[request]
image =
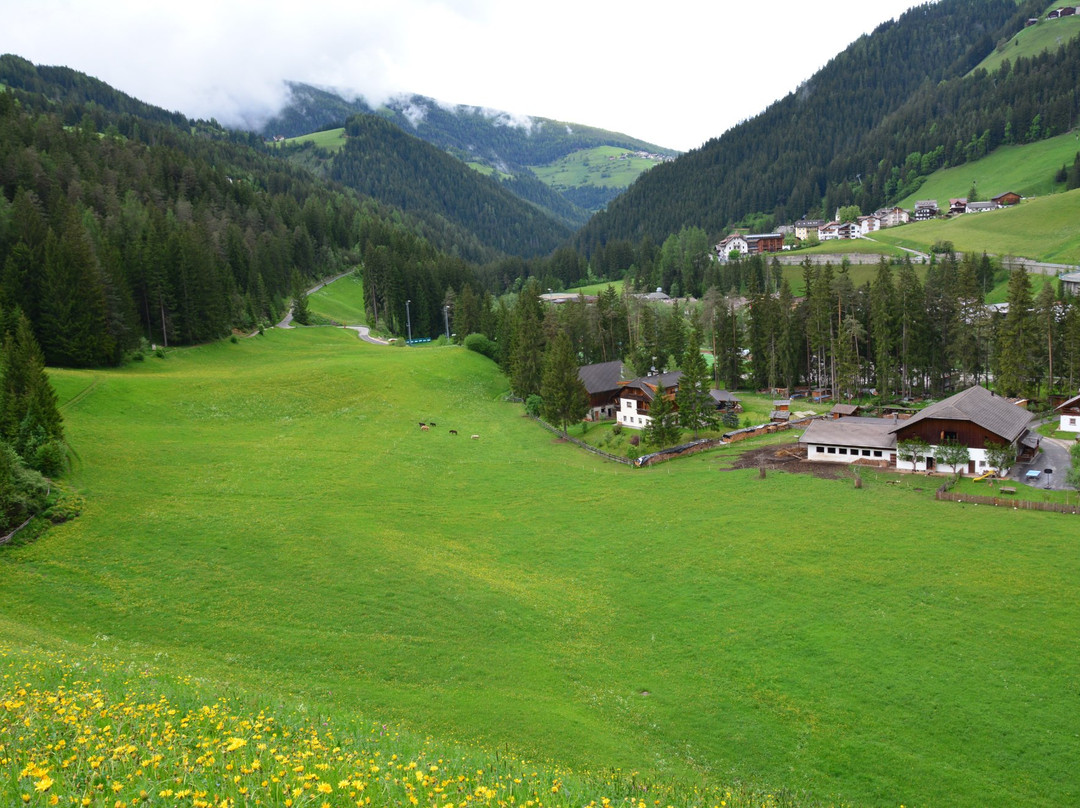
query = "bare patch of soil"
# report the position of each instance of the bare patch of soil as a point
(790, 458)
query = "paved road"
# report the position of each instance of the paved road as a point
(287, 322)
(1054, 455)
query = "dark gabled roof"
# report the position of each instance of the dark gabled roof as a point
(723, 395)
(845, 409)
(871, 433)
(1069, 403)
(979, 406)
(601, 377)
(649, 384)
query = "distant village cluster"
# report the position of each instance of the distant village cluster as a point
(644, 155)
(815, 230)
(1055, 14)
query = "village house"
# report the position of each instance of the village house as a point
(758, 243)
(869, 224)
(958, 206)
(602, 384)
(636, 397)
(1069, 411)
(973, 418)
(805, 228)
(1007, 198)
(981, 207)
(839, 230)
(891, 217)
(736, 242)
(925, 209)
(725, 401)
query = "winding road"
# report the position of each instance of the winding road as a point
(362, 331)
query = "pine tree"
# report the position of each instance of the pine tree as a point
(565, 398)
(696, 407)
(526, 363)
(1016, 356)
(663, 427)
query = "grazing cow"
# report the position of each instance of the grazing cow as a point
(422, 424)
(475, 437)
(432, 423)
(453, 431)
(424, 428)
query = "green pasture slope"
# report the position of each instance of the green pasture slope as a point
(267, 516)
(341, 301)
(331, 139)
(1047, 35)
(598, 166)
(1028, 170)
(1043, 229)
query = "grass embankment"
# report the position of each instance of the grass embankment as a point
(1047, 35)
(858, 246)
(602, 166)
(1028, 170)
(1042, 229)
(268, 516)
(341, 301)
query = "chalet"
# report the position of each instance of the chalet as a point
(636, 397)
(805, 228)
(659, 296)
(725, 401)
(891, 217)
(736, 242)
(758, 243)
(1031, 21)
(958, 206)
(925, 209)
(973, 418)
(1007, 198)
(981, 207)
(839, 230)
(1067, 11)
(1053, 15)
(1070, 283)
(869, 224)
(850, 440)
(602, 384)
(1070, 414)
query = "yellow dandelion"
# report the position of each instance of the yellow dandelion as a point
(44, 784)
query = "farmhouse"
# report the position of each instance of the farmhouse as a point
(958, 206)
(891, 217)
(636, 397)
(973, 418)
(736, 242)
(926, 209)
(1070, 414)
(602, 384)
(981, 207)
(1007, 198)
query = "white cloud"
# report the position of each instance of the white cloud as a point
(660, 73)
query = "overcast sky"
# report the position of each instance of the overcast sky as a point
(673, 73)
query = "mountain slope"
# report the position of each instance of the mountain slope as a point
(509, 144)
(782, 161)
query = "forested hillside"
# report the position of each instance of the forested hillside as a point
(117, 228)
(823, 145)
(509, 144)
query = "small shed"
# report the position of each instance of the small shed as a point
(845, 411)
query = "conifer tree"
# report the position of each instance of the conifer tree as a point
(526, 362)
(1016, 344)
(565, 398)
(696, 408)
(663, 427)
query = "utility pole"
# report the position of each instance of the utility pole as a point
(408, 319)
(446, 319)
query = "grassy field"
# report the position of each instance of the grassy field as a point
(597, 288)
(599, 166)
(1042, 229)
(862, 246)
(1048, 35)
(342, 301)
(331, 139)
(1029, 170)
(266, 516)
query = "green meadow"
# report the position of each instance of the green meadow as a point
(1047, 35)
(342, 301)
(598, 166)
(267, 517)
(1028, 170)
(331, 139)
(1042, 229)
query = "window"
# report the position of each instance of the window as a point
(877, 452)
(843, 450)
(950, 436)
(1072, 422)
(832, 450)
(819, 449)
(865, 452)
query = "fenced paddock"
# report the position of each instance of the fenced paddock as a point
(945, 495)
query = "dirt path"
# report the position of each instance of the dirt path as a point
(790, 458)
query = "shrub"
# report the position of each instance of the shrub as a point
(533, 405)
(49, 458)
(635, 440)
(234, 340)
(617, 429)
(482, 345)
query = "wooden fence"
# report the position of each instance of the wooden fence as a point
(1006, 502)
